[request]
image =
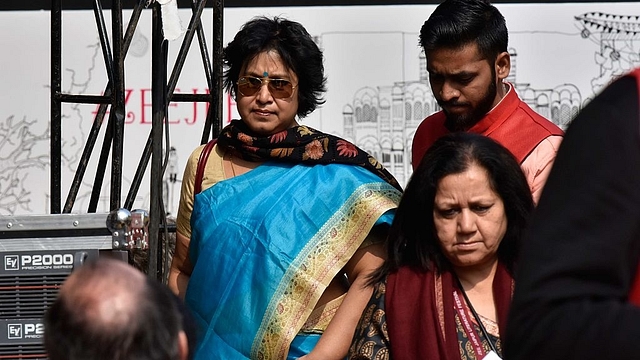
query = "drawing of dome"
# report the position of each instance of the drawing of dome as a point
(397, 91)
(566, 102)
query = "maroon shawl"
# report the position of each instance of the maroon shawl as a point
(420, 312)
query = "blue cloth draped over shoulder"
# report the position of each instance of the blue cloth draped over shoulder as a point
(267, 243)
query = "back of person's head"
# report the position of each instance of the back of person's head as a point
(412, 238)
(456, 23)
(296, 48)
(108, 310)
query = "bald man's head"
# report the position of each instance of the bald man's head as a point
(104, 293)
(106, 309)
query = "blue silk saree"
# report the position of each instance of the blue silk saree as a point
(266, 244)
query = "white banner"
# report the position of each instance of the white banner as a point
(562, 55)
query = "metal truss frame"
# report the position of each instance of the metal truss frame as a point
(114, 50)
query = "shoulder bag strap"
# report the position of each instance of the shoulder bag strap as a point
(202, 163)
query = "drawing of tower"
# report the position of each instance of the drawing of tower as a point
(618, 37)
(382, 121)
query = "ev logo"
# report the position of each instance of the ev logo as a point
(11, 262)
(14, 331)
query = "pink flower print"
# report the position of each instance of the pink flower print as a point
(244, 138)
(313, 150)
(347, 149)
(276, 138)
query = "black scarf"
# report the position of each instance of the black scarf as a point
(300, 144)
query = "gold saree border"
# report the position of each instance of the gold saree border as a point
(320, 317)
(440, 304)
(316, 265)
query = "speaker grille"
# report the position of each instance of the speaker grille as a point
(25, 297)
(28, 296)
(22, 352)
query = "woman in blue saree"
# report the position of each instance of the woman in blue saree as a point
(279, 224)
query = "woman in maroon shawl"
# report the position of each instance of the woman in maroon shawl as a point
(445, 290)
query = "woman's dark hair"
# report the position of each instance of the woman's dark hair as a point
(412, 238)
(456, 23)
(296, 48)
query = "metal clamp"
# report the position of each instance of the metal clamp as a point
(129, 229)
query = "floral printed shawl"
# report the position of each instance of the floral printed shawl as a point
(300, 144)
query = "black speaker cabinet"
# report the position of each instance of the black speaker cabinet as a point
(37, 253)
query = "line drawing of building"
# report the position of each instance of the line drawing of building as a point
(617, 37)
(383, 120)
(379, 119)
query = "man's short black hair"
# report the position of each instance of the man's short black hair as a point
(456, 23)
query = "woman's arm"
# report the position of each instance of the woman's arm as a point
(334, 342)
(181, 267)
(371, 340)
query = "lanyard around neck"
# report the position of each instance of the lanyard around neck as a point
(465, 322)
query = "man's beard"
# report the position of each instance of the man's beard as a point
(462, 122)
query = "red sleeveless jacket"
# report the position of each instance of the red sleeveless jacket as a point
(512, 123)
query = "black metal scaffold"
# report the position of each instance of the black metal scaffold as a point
(114, 50)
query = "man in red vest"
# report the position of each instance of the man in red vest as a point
(465, 44)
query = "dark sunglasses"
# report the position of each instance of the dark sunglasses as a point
(279, 88)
